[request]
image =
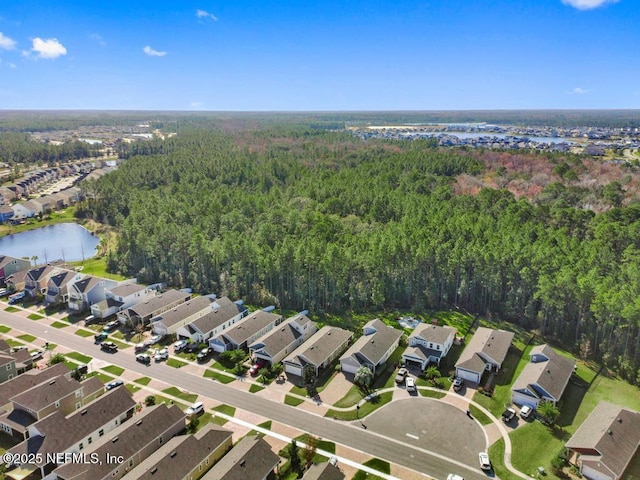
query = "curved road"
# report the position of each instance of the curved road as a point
(352, 436)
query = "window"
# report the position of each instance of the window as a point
(78, 393)
(160, 440)
(200, 467)
(6, 428)
(130, 462)
(9, 368)
(78, 406)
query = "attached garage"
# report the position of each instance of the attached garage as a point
(468, 375)
(293, 369)
(349, 365)
(521, 399)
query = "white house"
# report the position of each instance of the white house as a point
(219, 316)
(120, 297)
(245, 332)
(87, 291)
(428, 343)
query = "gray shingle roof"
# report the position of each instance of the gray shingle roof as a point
(181, 454)
(152, 305)
(374, 346)
(323, 471)
(125, 440)
(182, 311)
(283, 335)
(611, 430)
(62, 278)
(221, 311)
(320, 347)
(250, 459)
(485, 342)
(434, 333)
(127, 289)
(47, 393)
(250, 326)
(29, 379)
(552, 375)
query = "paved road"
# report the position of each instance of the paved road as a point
(350, 435)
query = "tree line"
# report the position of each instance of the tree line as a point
(325, 222)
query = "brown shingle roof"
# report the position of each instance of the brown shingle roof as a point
(320, 347)
(46, 393)
(152, 305)
(551, 375)
(222, 310)
(250, 459)
(611, 430)
(250, 326)
(323, 471)
(29, 379)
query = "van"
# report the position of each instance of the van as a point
(16, 297)
(195, 409)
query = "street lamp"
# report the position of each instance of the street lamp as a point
(358, 416)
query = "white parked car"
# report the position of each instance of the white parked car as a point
(453, 476)
(155, 339)
(195, 409)
(485, 464)
(179, 345)
(525, 412)
(161, 354)
(411, 384)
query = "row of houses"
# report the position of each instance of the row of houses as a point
(69, 429)
(40, 205)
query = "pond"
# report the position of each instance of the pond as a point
(65, 241)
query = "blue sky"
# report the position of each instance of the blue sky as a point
(319, 55)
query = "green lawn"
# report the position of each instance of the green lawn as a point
(220, 377)
(479, 415)
(132, 388)
(113, 370)
(79, 357)
(143, 381)
(172, 362)
(226, 409)
(62, 216)
(379, 465)
(535, 445)
(13, 343)
(27, 338)
(496, 455)
(11, 309)
(320, 444)
(58, 324)
(255, 388)
(103, 378)
(97, 266)
(365, 408)
(292, 401)
(4, 329)
(432, 393)
(353, 396)
(176, 392)
(34, 316)
(84, 333)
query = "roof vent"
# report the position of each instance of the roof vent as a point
(139, 422)
(114, 440)
(619, 419)
(243, 463)
(173, 454)
(610, 432)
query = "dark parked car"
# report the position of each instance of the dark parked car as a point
(204, 354)
(109, 347)
(458, 383)
(253, 371)
(191, 347)
(100, 337)
(508, 415)
(143, 358)
(114, 384)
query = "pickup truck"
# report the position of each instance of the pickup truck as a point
(508, 415)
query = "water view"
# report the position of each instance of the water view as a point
(65, 241)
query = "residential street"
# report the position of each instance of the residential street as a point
(367, 441)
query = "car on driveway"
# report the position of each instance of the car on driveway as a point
(508, 415)
(255, 368)
(195, 409)
(458, 383)
(485, 464)
(401, 375)
(204, 354)
(143, 358)
(155, 339)
(525, 412)
(141, 347)
(114, 384)
(109, 347)
(179, 345)
(191, 347)
(111, 326)
(162, 354)
(36, 355)
(411, 384)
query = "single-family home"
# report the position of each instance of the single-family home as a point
(133, 441)
(8, 368)
(428, 344)
(545, 377)
(70, 195)
(250, 459)
(87, 291)
(144, 311)
(44, 204)
(22, 210)
(13, 363)
(17, 280)
(121, 297)
(319, 352)
(185, 457)
(168, 322)
(606, 442)
(323, 471)
(221, 315)
(9, 265)
(57, 434)
(6, 213)
(58, 286)
(58, 201)
(245, 332)
(486, 351)
(372, 349)
(9, 193)
(37, 279)
(281, 341)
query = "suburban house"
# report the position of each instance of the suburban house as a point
(281, 341)
(606, 442)
(13, 363)
(22, 210)
(222, 314)
(87, 291)
(57, 286)
(323, 471)
(43, 204)
(24, 382)
(9, 265)
(144, 311)
(134, 441)
(8, 368)
(185, 457)
(6, 213)
(59, 434)
(372, 349)
(169, 322)
(250, 459)
(245, 332)
(17, 280)
(545, 377)
(318, 353)
(486, 350)
(123, 296)
(428, 344)
(62, 394)
(37, 279)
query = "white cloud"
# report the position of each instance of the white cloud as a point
(6, 43)
(588, 4)
(205, 14)
(153, 53)
(50, 48)
(578, 91)
(98, 38)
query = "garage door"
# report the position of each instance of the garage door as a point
(520, 399)
(348, 367)
(473, 377)
(293, 369)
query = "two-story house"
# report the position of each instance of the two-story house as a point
(144, 311)
(221, 315)
(428, 343)
(486, 351)
(57, 291)
(281, 341)
(37, 279)
(9, 265)
(251, 458)
(88, 291)
(121, 297)
(169, 322)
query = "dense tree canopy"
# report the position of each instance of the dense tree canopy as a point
(321, 221)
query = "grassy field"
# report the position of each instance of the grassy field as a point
(113, 370)
(176, 392)
(4, 329)
(79, 357)
(57, 324)
(27, 338)
(97, 266)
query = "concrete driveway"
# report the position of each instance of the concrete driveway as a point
(431, 425)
